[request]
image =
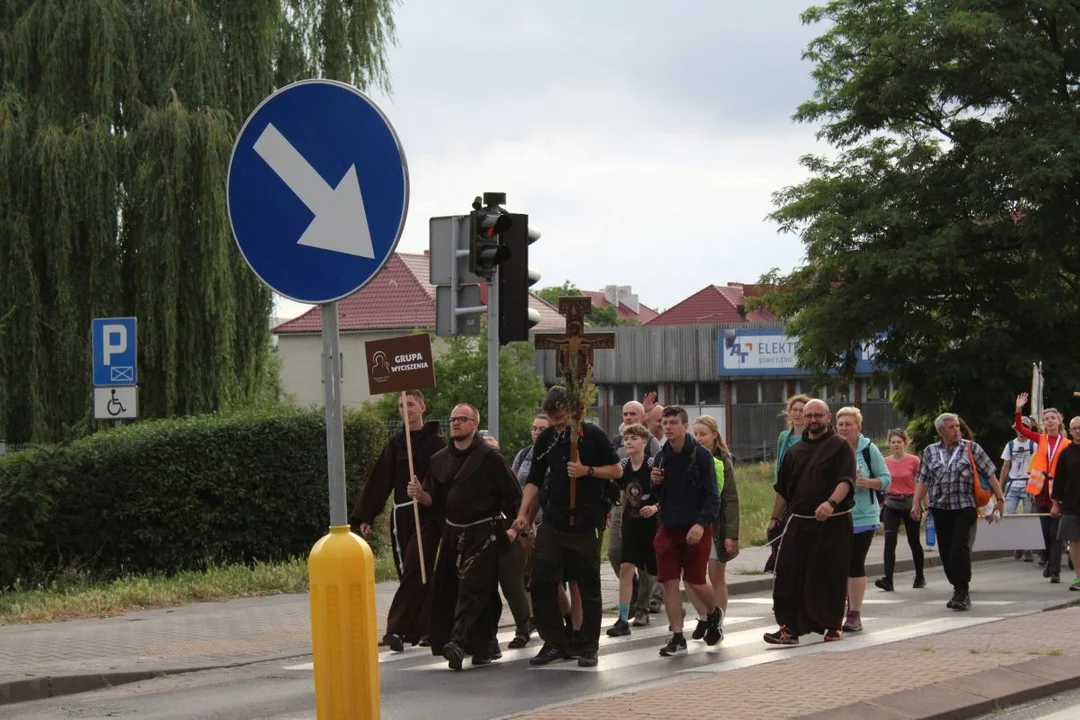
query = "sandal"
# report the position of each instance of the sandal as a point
(520, 640)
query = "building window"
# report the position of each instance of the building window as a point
(710, 393)
(746, 392)
(772, 391)
(877, 390)
(622, 394)
(683, 394)
(839, 396)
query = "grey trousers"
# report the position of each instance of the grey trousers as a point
(512, 582)
(644, 583)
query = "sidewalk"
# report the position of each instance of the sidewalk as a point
(38, 661)
(959, 674)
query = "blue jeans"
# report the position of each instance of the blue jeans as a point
(1012, 502)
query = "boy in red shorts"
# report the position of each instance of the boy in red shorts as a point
(684, 482)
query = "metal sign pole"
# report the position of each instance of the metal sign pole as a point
(335, 430)
(493, 355)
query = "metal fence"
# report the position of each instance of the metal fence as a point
(13, 447)
(754, 428)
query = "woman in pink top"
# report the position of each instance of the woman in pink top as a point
(902, 466)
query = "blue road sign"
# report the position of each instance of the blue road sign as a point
(115, 355)
(318, 190)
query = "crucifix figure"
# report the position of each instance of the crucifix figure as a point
(574, 350)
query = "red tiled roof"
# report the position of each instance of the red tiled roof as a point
(713, 304)
(643, 315)
(400, 297)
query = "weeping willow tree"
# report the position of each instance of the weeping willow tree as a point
(117, 119)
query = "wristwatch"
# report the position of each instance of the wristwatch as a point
(831, 502)
(592, 471)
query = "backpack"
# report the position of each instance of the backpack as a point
(879, 494)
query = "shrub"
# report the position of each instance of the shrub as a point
(171, 495)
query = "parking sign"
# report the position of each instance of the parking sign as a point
(115, 354)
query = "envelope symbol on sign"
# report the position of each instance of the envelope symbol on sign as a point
(121, 374)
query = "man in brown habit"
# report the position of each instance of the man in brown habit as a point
(409, 613)
(816, 481)
(472, 490)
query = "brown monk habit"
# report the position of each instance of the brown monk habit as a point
(470, 490)
(410, 609)
(810, 588)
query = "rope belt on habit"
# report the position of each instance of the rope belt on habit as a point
(493, 518)
(804, 517)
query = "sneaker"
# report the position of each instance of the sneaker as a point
(713, 632)
(920, 583)
(833, 635)
(699, 630)
(621, 628)
(656, 605)
(454, 655)
(1055, 578)
(520, 640)
(425, 642)
(853, 623)
(1046, 572)
(676, 646)
(783, 636)
(547, 655)
(956, 597)
(588, 659)
(884, 583)
(394, 642)
(641, 618)
(1028, 557)
(964, 603)
(1075, 585)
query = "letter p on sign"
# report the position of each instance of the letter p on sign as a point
(116, 342)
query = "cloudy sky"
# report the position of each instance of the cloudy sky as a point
(644, 139)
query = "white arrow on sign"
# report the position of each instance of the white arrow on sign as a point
(340, 222)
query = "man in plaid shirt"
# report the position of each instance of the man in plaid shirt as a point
(946, 481)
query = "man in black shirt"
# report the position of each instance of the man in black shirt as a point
(568, 542)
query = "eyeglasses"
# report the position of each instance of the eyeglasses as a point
(814, 416)
(462, 419)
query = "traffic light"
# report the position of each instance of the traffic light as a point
(516, 318)
(486, 225)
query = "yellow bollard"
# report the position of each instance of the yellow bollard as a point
(341, 571)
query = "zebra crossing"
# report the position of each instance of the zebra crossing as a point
(748, 618)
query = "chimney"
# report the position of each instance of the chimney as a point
(427, 252)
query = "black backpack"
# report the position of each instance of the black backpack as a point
(880, 494)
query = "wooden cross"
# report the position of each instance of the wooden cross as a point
(574, 350)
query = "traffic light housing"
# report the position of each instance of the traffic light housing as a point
(486, 227)
(516, 317)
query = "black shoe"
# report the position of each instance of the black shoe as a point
(641, 618)
(588, 659)
(454, 655)
(713, 632)
(884, 583)
(676, 646)
(547, 655)
(1046, 572)
(956, 597)
(1055, 578)
(920, 583)
(425, 642)
(964, 603)
(699, 630)
(394, 642)
(783, 636)
(621, 628)
(656, 606)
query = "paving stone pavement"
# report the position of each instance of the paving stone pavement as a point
(957, 674)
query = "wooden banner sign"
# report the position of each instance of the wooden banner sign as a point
(401, 363)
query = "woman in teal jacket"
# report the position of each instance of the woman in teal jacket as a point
(872, 477)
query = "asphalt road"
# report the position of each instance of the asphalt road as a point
(415, 684)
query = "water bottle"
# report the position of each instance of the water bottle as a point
(931, 531)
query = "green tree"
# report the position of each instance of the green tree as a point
(945, 223)
(117, 119)
(597, 316)
(461, 377)
(552, 294)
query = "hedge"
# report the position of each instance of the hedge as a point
(171, 495)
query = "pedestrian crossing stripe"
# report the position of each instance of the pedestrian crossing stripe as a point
(976, 602)
(769, 601)
(851, 641)
(653, 630)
